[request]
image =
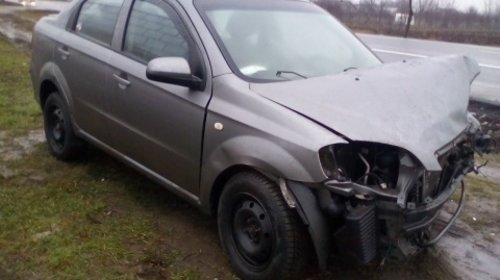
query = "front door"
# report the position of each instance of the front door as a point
(158, 125)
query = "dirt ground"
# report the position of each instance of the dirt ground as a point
(478, 256)
(176, 241)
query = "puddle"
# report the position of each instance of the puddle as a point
(19, 37)
(16, 148)
(473, 253)
(492, 172)
(471, 257)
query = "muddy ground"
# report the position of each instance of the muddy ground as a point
(17, 28)
(471, 250)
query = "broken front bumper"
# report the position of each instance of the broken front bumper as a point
(382, 226)
(388, 217)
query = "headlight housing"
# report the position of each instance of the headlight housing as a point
(366, 163)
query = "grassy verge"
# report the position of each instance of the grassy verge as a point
(484, 188)
(18, 110)
(88, 220)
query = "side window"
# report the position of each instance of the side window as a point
(97, 19)
(155, 30)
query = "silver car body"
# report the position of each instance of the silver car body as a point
(85, 78)
(192, 141)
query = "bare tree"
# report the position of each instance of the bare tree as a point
(489, 7)
(449, 4)
(447, 14)
(497, 17)
(425, 10)
(367, 8)
(472, 17)
(381, 10)
(425, 5)
(410, 17)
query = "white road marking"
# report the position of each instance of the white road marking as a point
(423, 56)
(400, 53)
(490, 66)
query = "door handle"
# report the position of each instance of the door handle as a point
(123, 83)
(64, 51)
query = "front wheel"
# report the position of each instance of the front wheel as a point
(262, 236)
(63, 143)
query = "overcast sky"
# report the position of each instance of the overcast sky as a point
(465, 4)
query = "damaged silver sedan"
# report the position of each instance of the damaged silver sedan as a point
(269, 115)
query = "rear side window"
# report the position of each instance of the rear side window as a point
(97, 19)
(155, 30)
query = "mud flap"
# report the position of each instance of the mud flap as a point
(314, 219)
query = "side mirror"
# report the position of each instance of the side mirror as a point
(173, 70)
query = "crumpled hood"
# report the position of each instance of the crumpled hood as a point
(419, 105)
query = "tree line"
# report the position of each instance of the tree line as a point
(434, 19)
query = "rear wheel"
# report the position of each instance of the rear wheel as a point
(62, 141)
(262, 236)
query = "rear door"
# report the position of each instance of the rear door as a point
(156, 124)
(83, 55)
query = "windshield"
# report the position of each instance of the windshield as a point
(284, 40)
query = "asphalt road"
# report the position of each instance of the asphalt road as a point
(44, 5)
(51, 5)
(486, 87)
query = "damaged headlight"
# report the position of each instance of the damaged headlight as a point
(369, 164)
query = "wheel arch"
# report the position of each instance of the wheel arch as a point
(223, 178)
(275, 163)
(52, 80)
(249, 153)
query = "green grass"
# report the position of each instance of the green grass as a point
(93, 219)
(18, 110)
(483, 188)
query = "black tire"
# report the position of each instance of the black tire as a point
(62, 141)
(262, 236)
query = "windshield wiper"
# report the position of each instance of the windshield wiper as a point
(281, 72)
(350, 68)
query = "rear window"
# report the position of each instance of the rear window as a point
(97, 19)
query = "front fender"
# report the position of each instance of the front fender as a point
(259, 153)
